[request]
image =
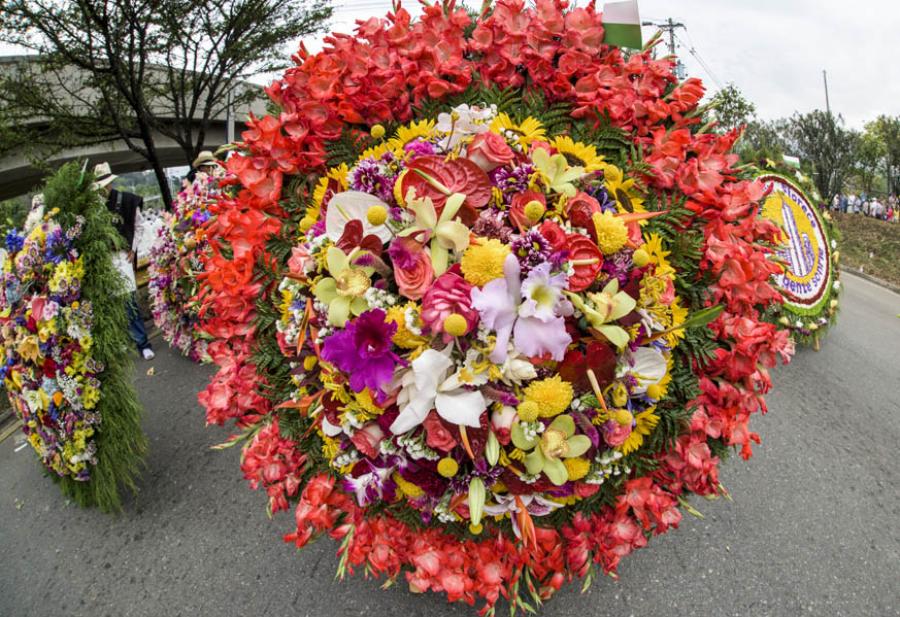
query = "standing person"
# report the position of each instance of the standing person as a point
(125, 206)
(204, 162)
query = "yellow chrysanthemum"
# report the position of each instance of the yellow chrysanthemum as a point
(577, 468)
(483, 260)
(627, 196)
(552, 395)
(404, 337)
(406, 134)
(526, 132)
(578, 154)
(645, 422)
(612, 234)
(406, 487)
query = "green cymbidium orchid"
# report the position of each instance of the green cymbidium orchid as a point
(558, 441)
(343, 291)
(443, 231)
(556, 171)
(604, 307)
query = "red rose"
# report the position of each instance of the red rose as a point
(554, 234)
(489, 151)
(449, 294)
(586, 259)
(517, 208)
(581, 208)
(437, 435)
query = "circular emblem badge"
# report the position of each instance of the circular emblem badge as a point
(806, 252)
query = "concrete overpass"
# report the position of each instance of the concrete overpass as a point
(18, 176)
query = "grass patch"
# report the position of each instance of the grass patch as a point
(870, 245)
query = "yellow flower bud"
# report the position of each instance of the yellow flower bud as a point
(447, 467)
(476, 529)
(455, 325)
(534, 210)
(528, 411)
(655, 391)
(619, 395)
(377, 215)
(640, 258)
(624, 417)
(784, 321)
(377, 131)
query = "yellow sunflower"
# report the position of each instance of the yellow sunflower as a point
(645, 422)
(406, 134)
(578, 154)
(628, 197)
(527, 131)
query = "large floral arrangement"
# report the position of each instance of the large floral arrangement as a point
(49, 373)
(489, 322)
(62, 329)
(809, 277)
(175, 258)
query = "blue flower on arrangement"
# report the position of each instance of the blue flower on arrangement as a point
(14, 241)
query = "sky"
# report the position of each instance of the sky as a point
(772, 50)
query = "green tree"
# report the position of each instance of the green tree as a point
(763, 139)
(821, 141)
(887, 129)
(731, 109)
(870, 157)
(137, 70)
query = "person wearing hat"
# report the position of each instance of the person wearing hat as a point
(204, 162)
(125, 206)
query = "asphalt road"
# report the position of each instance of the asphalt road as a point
(814, 527)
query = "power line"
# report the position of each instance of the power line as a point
(703, 64)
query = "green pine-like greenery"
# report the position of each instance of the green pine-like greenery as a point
(121, 443)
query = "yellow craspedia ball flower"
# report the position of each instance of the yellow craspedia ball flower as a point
(404, 337)
(483, 261)
(552, 395)
(640, 258)
(623, 417)
(455, 325)
(528, 411)
(655, 391)
(577, 468)
(476, 529)
(611, 232)
(377, 215)
(534, 210)
(447, 467)
(309, 362)
(377, 131)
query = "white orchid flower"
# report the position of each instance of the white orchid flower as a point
(426, 385)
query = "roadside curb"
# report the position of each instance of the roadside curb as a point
(871, 279)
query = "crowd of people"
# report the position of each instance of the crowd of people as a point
(883, 209)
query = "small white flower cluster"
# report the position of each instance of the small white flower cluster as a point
(411, 319)
(416, 448)
(529, 478)
(443, 512)
(345, 458)
(531, 430)
(349, 422)
(380, 298)
(606, 465)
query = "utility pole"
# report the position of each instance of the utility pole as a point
(827, 102)
(669, 26)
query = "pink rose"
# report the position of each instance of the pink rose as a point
(450, 294)
(489, 151)
(555, 235)
(615, 434)
(412, 268)
(437, 435)
(367, 439)
(300, 261)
